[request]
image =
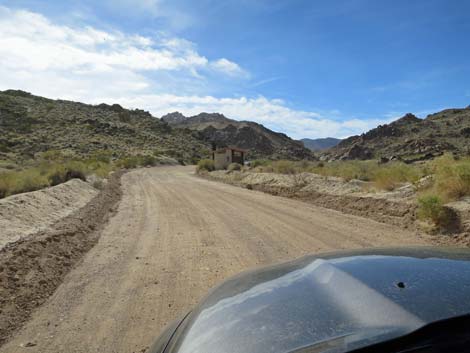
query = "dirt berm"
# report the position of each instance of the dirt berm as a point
(32, 267)
(393, 208)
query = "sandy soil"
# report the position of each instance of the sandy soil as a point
(24, 214)
(173, 237)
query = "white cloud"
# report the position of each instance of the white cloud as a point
(229, 67)
(160, 74)
(29, 41)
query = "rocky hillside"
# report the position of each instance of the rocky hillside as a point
(321, 143)
(410, 138)
(31, 124)
(260, 141)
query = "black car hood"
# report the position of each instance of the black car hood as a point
(331, 303)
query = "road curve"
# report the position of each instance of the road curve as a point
(173, 237)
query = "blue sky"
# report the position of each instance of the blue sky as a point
(306, 68)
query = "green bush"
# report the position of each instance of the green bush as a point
(128, 162)
(205, 165)
(149, 160)
(234, 166)
(430, 207)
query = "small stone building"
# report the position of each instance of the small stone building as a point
(223, 156)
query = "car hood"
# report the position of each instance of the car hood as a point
(329, 303)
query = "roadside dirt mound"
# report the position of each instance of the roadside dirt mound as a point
(33, 267)
(331, 192)
(25, 214)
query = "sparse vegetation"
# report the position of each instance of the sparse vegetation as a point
(49, 173)
(234, 166)
(205, 165)
(385, 176)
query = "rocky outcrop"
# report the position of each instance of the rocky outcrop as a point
(409, 138)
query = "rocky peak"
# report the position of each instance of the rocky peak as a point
(173, 118)
(407, 118)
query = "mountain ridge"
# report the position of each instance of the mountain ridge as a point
(320, 144)
(409, 138)
(259, 140)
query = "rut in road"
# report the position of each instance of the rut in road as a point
(174, 237)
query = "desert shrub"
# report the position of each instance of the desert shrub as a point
(284, 167)
(52, 155)
(23, 181)
(205, 165)
(389, 175)
(348, 170)
(4, 148)
(103, 156)
(148, 160)
(57, 174)
(452, 177)
(431, 207)
(100, 169)
(128, 162)
(98, 184)
(234, 166)
(259, 163)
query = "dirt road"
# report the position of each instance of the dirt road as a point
(175, 236)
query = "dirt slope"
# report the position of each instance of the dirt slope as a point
(172, 238)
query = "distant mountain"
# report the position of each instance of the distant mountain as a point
(321, 143)
(259, 140)
(410, 138)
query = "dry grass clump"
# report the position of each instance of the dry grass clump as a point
(385, 176)
(205, 165)
(137, 161)
(22, 181)
(388, 176)
(348, 170)
(451, 177)
(52, 169)
(234, 166)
